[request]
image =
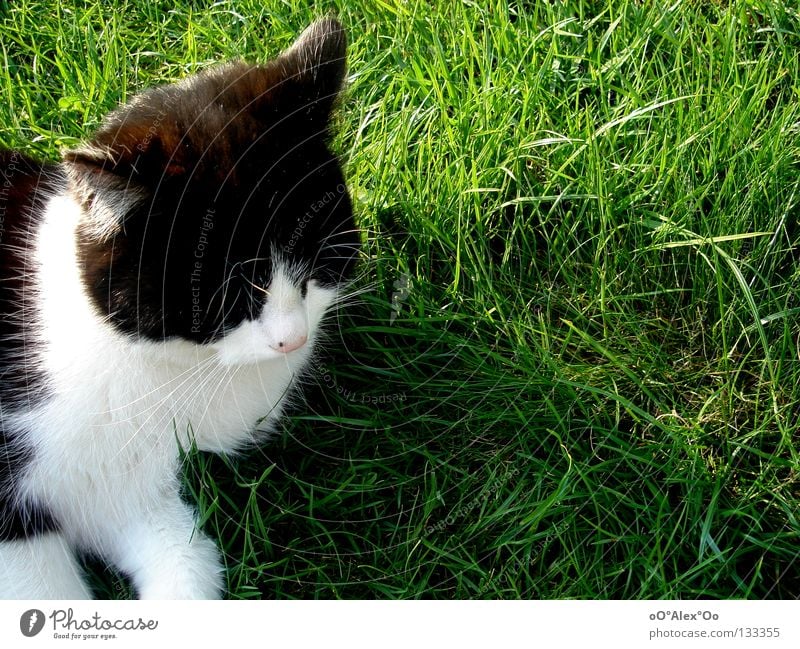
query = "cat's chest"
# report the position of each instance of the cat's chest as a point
(120, 430)
(116, 424)
(215, 407)
(108, 440)
(156, 403)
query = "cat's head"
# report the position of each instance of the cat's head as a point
(214, 211)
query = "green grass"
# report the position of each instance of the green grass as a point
(592, 387)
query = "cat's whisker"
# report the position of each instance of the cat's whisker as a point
(195, 388)
(338, 233)
(186, 374)
(261, 289)
(222, 384)
(174, 395)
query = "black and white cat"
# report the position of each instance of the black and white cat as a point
(162, 286)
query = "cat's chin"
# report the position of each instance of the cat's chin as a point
(226, 355)
(246, 349)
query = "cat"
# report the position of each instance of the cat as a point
(162, 288)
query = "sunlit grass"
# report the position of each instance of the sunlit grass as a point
(589, 387)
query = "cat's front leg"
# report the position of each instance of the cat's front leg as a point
(40, 567)
(167, 557)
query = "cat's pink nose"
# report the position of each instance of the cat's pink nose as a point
(289, 345)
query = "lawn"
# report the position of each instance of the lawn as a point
(572, 370)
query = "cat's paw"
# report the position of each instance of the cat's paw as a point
(194, 572)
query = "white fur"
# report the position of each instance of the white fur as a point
(106, 445)
(42, 567)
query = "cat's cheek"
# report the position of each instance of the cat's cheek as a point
(244, 345)
(318, 301)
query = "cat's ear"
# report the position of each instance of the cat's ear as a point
(107, 194)
(314, 67)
